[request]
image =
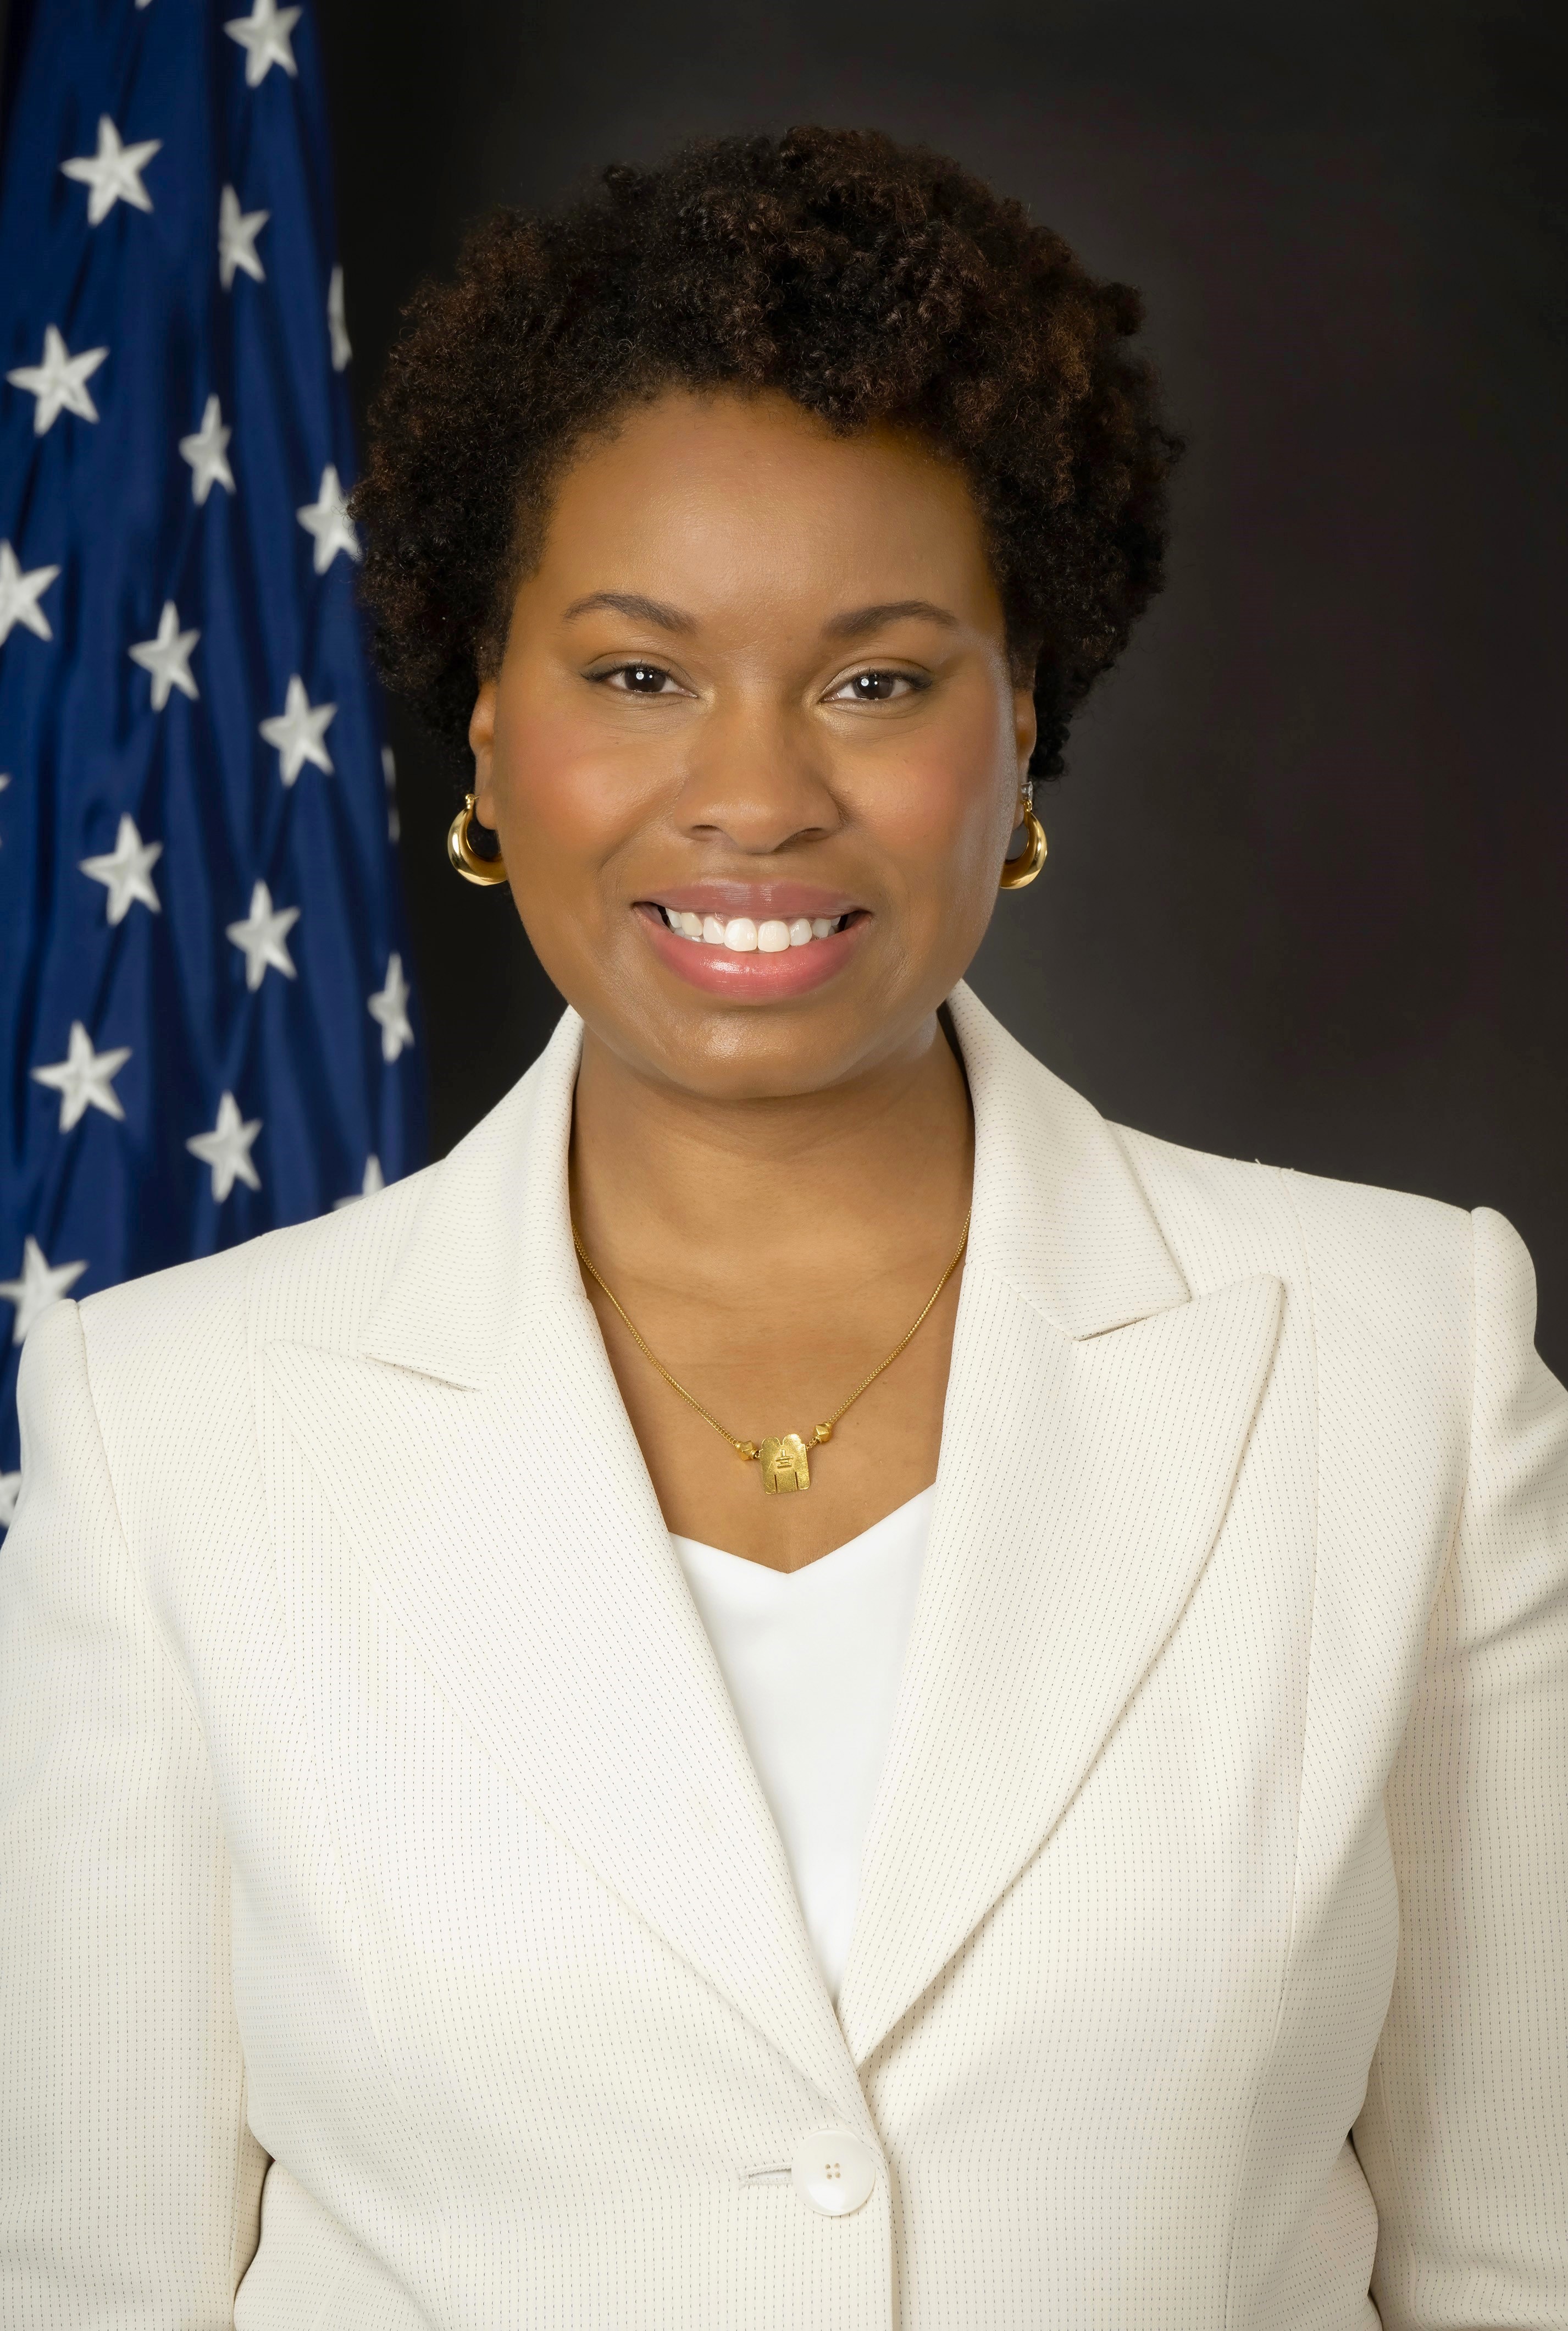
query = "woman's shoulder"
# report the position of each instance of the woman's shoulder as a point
(1389, 1237)
(162, 1373)
(1387, 1277)
(1401, 1281)
(206, 1324)
(206, 1318)
(1203, 1183)
(1219, 1216)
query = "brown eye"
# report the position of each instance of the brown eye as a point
(875, 688)
(637, 677)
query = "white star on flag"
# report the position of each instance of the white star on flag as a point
(126, 871)
(167, 658)
(296, 732)
(60, 382)
(237, 232)
(37, 1288)
(227, 1149)
(10, 1488)
(20, 595)
(390, 1008)
(84, 1079)
(337, 324)
(374, 1180)
(113, 174)
(263, 936)
(263, 35)
(327, 519)
(207, 453)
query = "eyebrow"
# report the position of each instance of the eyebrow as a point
(857, 621)
(852, 624)
(633, 603)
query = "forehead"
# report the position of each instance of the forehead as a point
(693, 497)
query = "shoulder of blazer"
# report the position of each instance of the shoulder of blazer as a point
(171, 1358)
(1192, 1190)
(158, 1322)
(320, 1282)
(1384, 1276)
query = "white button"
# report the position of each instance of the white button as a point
(833, 2171)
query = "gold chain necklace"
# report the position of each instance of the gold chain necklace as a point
(785, 1464)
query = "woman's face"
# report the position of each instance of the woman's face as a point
(757, 678)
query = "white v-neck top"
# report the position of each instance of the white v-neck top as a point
(813, 1660)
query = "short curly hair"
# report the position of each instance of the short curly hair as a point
(871, 281)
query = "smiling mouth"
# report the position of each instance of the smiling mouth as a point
(741, 934)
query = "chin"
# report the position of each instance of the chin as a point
(739, 1055)
(742, 1052)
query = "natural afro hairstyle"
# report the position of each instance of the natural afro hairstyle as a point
(868, 281)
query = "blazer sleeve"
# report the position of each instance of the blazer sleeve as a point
(1463, 2136)
(130, 2184)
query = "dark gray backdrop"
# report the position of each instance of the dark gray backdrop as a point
(1307, 894)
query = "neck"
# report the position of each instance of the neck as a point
(718, 1192)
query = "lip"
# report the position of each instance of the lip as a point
(748, 978)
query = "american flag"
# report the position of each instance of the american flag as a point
(205, 1020)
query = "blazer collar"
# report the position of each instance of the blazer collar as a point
(490, 1245)
(1058, 1212)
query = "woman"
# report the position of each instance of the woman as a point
(806, 1688)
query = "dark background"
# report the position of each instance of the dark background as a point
(1307, 894)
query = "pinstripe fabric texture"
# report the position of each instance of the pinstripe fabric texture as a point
(394, 1936)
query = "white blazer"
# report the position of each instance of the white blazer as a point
(393, 1931)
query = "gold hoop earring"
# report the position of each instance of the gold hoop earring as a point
(464, 857)
(1018, 873)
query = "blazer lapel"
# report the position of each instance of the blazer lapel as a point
(477, 1455)
(1096, 1417)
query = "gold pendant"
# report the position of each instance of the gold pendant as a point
(785, 1467)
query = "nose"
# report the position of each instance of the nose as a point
(757, 778)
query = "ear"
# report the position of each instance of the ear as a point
(1025, 729)
(481, 737)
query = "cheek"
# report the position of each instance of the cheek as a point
(562, 806)
(941, 806)
(566, 795)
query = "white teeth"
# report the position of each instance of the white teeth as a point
(743, 936)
